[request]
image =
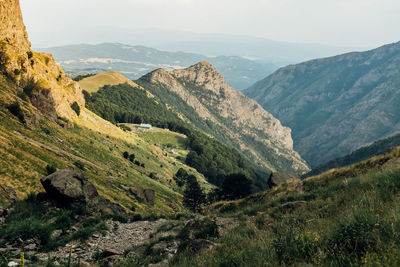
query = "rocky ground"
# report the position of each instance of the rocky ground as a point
(161, 237)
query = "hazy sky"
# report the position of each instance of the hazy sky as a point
(365, 23)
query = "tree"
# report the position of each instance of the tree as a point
(193, 196)
(181, 177)
(236, 186)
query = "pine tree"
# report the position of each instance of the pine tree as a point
(193, 196)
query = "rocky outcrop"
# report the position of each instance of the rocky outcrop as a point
(241, 120)
(276, 179)
(146, 195)
(72, 189)
(69, 187)
(51, 91)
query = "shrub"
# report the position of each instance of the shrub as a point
(137, 162)
(136, 217)
(15, 109)
(17, 72)
(207, 229)
(358, 235)
(125, 154)
(79, 165)
(132, 157)
(50, 169)
(76, 108)
(30, 54)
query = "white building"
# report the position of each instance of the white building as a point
(144, 127)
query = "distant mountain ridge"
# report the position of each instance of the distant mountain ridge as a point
(232, 117)
(136, 61)
(338, 104)
(377, 148)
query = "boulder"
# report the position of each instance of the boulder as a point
(70, 187)
(276, 179)
(147, 195)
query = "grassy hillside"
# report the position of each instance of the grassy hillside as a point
(126, 104)
(345, 217)
(376, 148)
(93, 83)
(91, 144)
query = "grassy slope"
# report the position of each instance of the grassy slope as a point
(347, 216)
(25, 152)
(376, 148)
(94, 83)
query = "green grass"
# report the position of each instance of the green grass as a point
(25, 152)
(348, 222)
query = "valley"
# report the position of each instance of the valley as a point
(153, 158)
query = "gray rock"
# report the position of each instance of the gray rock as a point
(276, 179)
(55, 234)
(147, 195)
(70, 187)
(32, 246)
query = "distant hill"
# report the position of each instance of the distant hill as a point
(336, 105)
(376, 148)
(93, 83)
(136, 61)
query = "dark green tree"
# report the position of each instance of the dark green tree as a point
(181, 177)
(193, 196)
(76, 108)
(236, 186)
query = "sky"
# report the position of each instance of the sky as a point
(361, 23)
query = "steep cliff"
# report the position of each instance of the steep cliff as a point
(237, 119)
(49, 89)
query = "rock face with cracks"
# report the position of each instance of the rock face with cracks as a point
(50, 90)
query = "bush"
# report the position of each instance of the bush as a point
(50, 169)
(17, 72)
(207, 229)
(15, 109)
(76, 108)
(125, 154)
(30, 54)
(136, 217)
(132, 157)
(358, 235)
(79, 165)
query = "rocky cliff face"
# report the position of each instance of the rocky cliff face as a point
(241, 119)
(336, 105)
(52, 92)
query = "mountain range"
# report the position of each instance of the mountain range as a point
(338, 104)
(136, 61)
